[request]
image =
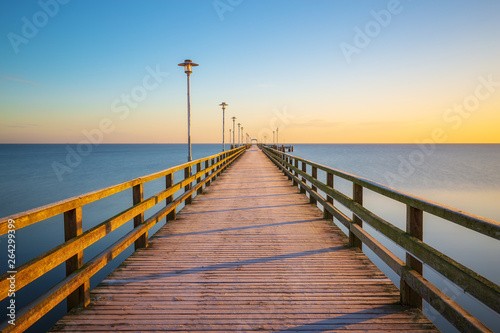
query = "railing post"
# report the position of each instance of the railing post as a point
(198, 180)
(187, 174)
(169, 181)
(72, 229)
(357, 196)
(288, 159)
(304, 168)
(206, 173)
(314, 174)
(137, 194)
(213, 170)
(414, 226)
(296, 164)
(329, 182)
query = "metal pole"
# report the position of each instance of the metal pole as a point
(234, 131)
(223, 143)
(277, 145)
(189, 117)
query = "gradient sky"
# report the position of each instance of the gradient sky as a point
(417, 74)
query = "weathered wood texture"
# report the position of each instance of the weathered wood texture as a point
(250, 254)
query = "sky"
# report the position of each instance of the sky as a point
(319, 71)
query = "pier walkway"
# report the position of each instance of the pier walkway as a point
(250, 254)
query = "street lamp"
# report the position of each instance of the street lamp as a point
(188, 64)
(239, 124)
(277, 145)
(242, 135)
(234, 142)
(223, 112)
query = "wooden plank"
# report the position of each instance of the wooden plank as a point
(236, 260)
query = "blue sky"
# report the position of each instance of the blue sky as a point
(276, 63)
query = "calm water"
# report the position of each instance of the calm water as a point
(461, 176)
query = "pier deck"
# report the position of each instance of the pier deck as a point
(250, 254)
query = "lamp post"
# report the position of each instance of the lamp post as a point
(242, 135)
(188, 64)
(239, 124)
(234, 142)
(231, 145)
(223, 112)
(277, 145)
(273, 138)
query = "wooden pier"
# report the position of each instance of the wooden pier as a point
(251, 252)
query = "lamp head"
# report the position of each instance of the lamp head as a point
(188, 66)
(223, 105)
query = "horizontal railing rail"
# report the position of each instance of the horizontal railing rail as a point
(76, 286)
(413, 286)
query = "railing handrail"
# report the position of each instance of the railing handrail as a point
(468, 220)
(414, 286)
(35, 215)
(76, 287)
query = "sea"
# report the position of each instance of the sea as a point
(463, 176)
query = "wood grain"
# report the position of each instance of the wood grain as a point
(250, 254)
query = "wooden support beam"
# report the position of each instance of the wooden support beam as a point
(73, 228)
(288, 160)
(198, 180)
(296, 164)
(314, 174)
(357, 196)
(329, 182)
(304, 168)
(138, 197)
(169, 181)
(414, 227)
(187, 174)
(206, 173)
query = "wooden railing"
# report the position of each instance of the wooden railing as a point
(413, 286)
(75, 287)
